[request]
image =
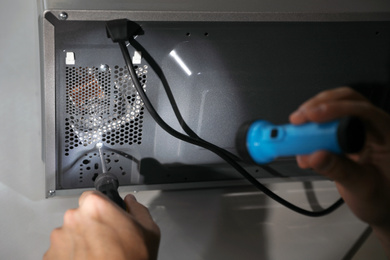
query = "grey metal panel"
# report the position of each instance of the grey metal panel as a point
(248, 10)
(245, 6)
(201, 16)
(240, 71)
(48, 105)
(211, 219)
(181, 27)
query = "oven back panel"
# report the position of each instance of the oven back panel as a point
(221, 75)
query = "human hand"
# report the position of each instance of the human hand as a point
(99, 229)
(362, 179)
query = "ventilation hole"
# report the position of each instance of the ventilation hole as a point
(96, 166)
(86, 161)
(94, 176)
(100, 105)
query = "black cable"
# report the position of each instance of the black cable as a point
(213, 148)
(154, 65)
(157, 69)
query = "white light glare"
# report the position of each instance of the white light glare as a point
(180, 62)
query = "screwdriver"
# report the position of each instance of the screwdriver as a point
(107, 183)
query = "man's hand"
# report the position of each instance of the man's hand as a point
(99, 229)
(363, 179)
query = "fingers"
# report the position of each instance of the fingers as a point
(333, 110)
(329, 105)
(334, 104)
(142, 216)
(335, 167)
(137, 210)
(71, 217)
(87, 195)
(84, 195)
(92, 203)
(140, 213)
(342, 93)
(99, 225)
(60, 241)
(101, 208)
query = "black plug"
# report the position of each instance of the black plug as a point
(122, 30)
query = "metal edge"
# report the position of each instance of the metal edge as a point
(194, 185)
(48, 105)
(187, 16)
(41, 77)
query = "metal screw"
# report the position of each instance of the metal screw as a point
(63, 16)
(104, 68)
(51, 193)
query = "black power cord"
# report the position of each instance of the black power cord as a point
(157, 69)
(127, 30)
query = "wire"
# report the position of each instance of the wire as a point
(157, 69)
(213, 148)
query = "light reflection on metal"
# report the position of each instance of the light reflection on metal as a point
(181, 63)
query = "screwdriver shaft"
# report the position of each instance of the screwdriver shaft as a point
(103, 161)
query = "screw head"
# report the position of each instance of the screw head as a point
(63, 16)
(51, 193)
(104, 68)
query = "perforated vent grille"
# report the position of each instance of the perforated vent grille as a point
(101, 110)
(90, 166)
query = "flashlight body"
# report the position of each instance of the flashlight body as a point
(263, 141)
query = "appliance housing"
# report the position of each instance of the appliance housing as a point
(224, 62)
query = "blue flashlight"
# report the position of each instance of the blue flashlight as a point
(262, 142)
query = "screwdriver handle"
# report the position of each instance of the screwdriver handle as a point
(262, 142)
(108, 184)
